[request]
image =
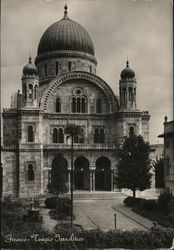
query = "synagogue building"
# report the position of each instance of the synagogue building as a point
(61, 88)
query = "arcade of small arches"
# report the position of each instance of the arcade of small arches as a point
(31, 90)
(88, 176)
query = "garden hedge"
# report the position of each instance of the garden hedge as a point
(96, 239)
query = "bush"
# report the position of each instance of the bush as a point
(170, 206)
(148, 205)
(170, 218)
(156, 238)
(64, 206)
(131, 201)
(163, 201)
(51, 202)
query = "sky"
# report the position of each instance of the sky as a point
(138, 29)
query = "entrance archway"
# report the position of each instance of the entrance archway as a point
(103, 174)
(81, 174)
(59, 172)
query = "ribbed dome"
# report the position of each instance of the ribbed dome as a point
(127, 73)
(65, 35)
(30, 69)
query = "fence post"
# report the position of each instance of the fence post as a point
(115, 221)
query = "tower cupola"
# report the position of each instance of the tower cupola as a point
(127, 89)
(30, 85)
(127, 73)
(30, 69)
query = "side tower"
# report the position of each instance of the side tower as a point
(127, 89)
(130, 119)
(30, 85)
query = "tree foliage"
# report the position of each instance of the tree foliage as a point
(59, 174)
(159, 173)
(134, 165)
(73, 130)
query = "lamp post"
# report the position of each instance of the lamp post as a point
(72, 130)
(72, 180)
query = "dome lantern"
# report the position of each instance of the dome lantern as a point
(66, 12)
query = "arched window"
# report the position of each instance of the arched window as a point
(102, 136)
(30, 173)
(79, 138)
(45, 69)
(25, 91)
(90, 68)
(60, 136)
(134, 94)
(35, 91)
(124, 94)
(83, 105)
(96, 135)
(73, 105)
(55, 135)
(58, 105)
(30, 90)
(130, 94)
(131, 131)
(99, 135)
(69, 66)
(98, 106)
(79, 104)
(57, 68)
(30, 134)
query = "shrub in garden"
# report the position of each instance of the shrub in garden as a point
(131, 201)
(62, 209)
(170, 206)
(148, 205)
(163, 201)
(170, 218)
(64, 206)
(51, 202)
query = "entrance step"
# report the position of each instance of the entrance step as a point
(82, 195)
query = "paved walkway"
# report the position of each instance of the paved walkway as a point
(99, 213)
(121, 209)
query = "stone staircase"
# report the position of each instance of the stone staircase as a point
(82, 195)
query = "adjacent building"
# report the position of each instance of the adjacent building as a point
(168, 136)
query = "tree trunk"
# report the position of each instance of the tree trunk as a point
(134, 193)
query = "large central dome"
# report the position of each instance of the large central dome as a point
(65, 35)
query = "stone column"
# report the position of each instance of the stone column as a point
(69, 180)
(90, 175)
(93, 180)
(112, 180)
(41, 169)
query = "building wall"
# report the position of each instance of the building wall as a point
(10, 127)
(77, 64)
(169, 155)
(10, 184)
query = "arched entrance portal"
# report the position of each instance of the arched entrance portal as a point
(81, 174)
(103, 174)
(59, 173)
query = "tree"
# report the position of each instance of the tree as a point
(58, 176)
(134, 165)
(159, 173)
